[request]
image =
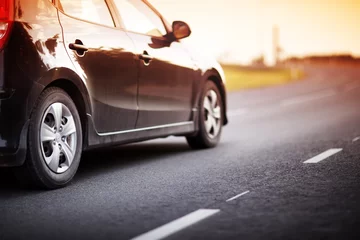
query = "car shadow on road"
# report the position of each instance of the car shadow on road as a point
(98, 162)
(102, 161)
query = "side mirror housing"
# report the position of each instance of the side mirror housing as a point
(181, 29)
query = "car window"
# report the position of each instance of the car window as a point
(140, 18)
(95, 11)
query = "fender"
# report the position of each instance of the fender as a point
(217, 75)
(219, 71)
(68, 74)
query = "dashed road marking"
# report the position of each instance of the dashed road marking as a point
(324, 155)
(177, 225)
(308, 98)
(237, 196)
(356, 139)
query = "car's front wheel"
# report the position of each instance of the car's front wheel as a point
(210, 118)
(54, 141)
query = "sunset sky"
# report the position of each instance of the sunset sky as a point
(242, 29)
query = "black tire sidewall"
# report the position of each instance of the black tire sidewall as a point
(210, 142)
(43, 172)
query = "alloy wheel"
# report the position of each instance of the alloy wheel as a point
(212, 114)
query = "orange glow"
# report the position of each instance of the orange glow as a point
(240, 30)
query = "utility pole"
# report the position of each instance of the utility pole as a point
(276, 47)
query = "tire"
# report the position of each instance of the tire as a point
(208, 136)
(54, 142)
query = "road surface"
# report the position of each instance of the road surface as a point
(288, 167)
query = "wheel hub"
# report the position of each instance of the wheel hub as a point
(58, 137)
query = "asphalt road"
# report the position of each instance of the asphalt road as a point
(254, 185)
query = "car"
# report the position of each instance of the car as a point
(77, 75)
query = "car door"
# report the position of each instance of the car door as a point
(104, 57)
(166, 75)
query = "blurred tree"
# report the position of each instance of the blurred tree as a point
(259, 61)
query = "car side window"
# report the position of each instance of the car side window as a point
(140, 18)
(95, 11)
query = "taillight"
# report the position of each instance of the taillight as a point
(6, 20)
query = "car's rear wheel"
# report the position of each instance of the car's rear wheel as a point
(54, 141)
(210, 118)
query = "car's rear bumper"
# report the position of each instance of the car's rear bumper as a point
(10, 157)
(14, 125)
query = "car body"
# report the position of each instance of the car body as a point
(127, 86)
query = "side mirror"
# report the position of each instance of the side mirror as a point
(180, 29)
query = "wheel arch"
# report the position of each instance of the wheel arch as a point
(214, 76)
(68, 80)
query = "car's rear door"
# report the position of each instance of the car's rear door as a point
(166, 74)
(104, 57)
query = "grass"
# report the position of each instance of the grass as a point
(238, 77)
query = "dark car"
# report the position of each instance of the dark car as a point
(83, 74)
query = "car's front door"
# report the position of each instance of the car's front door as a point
(166, 75)
(104, 56)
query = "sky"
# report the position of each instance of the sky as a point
(240, 30)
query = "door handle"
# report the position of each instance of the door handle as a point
(78, 47)
(146, 58)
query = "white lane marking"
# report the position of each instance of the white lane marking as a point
(310, 97)
(177, 225)
(237, 112)
(323, 155)
(351, 86)
(237, 196)
(356, 139)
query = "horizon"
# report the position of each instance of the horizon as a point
(320, 27)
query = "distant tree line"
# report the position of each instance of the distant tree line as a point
(324, 59)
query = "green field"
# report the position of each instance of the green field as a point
(238, 77)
